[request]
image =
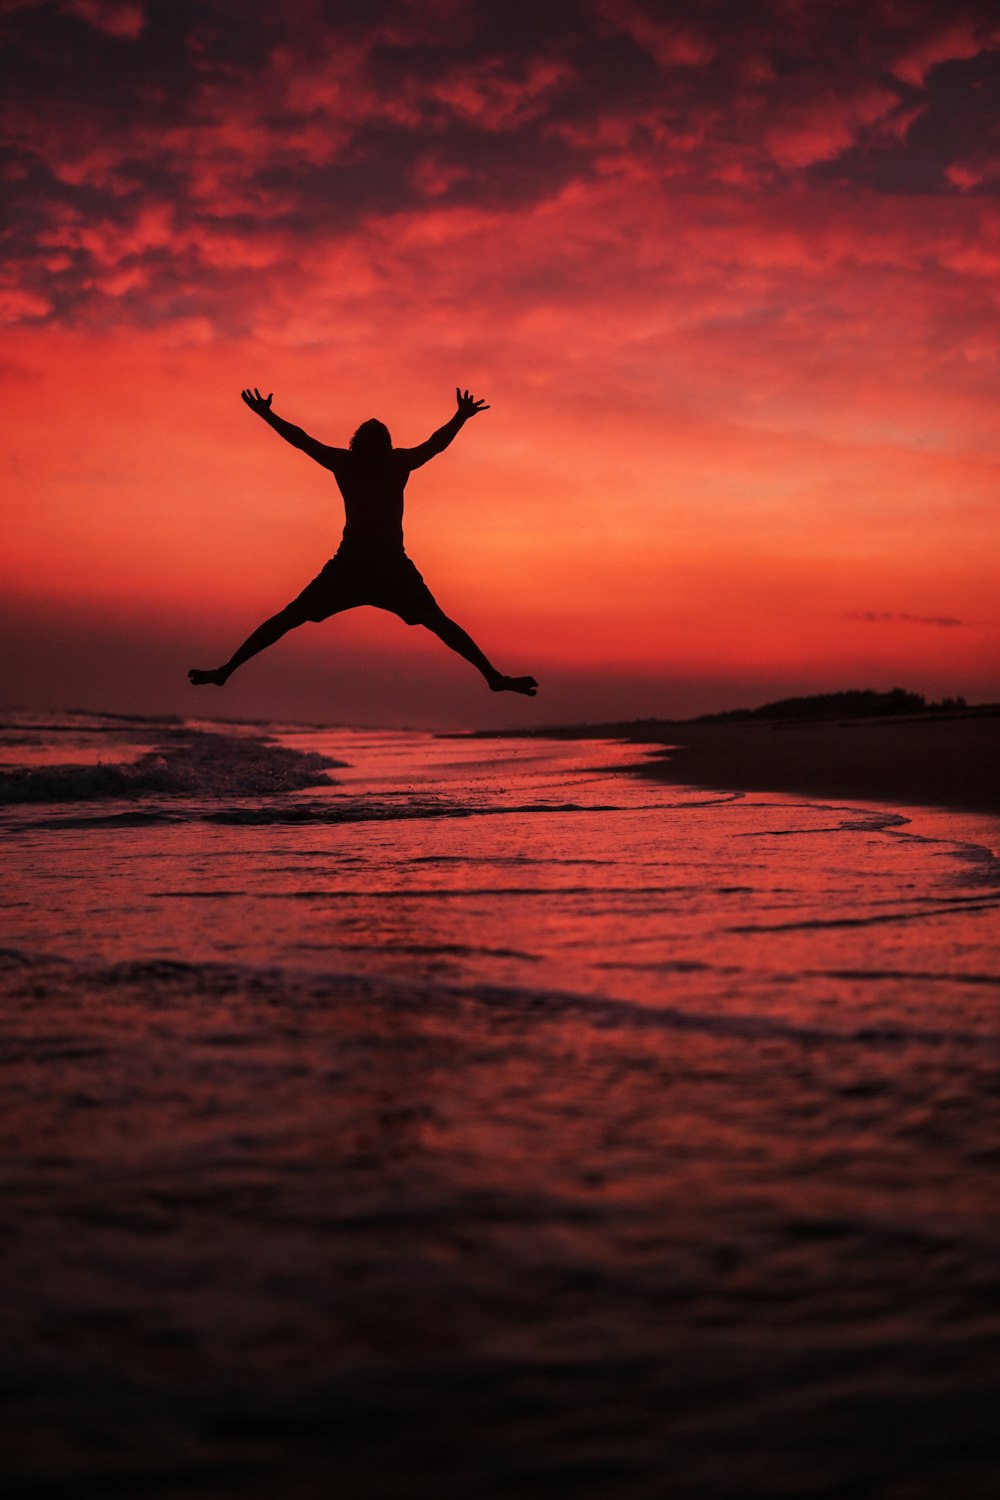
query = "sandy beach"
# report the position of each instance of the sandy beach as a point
(934, 759)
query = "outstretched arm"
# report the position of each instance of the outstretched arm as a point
(291, 434)
(438, 441)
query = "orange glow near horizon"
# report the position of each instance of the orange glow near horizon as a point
(743, 429)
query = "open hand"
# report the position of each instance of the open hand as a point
(468, 406)
(256, 402)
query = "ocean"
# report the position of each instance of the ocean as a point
(398, 1115)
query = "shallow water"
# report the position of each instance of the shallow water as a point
(453, 1117)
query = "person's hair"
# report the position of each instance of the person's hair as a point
(371, 439)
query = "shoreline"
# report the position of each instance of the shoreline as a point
(944, 760)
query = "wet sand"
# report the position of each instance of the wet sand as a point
(936, 760)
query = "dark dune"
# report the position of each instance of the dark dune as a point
(935, 759)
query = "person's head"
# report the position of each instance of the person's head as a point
(372, 439)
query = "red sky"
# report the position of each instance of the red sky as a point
(727, 273)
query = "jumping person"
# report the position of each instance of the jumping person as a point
(370, 566)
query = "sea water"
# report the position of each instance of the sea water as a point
(398, 1115)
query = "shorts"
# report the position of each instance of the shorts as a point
(386, 580)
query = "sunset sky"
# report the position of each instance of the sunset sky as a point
(728, 274)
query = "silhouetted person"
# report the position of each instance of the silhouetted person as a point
(370, 566)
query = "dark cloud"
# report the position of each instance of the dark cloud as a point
(231, 119)
(891, 617)
(947, 137)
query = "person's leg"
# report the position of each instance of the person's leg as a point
(459, 640)
(265, 635)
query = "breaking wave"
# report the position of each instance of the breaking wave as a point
(191, 762)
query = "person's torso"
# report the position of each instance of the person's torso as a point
(373, 501)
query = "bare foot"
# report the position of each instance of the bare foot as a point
(216, 675)
(526, 685)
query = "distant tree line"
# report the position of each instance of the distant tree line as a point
(856, 703)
